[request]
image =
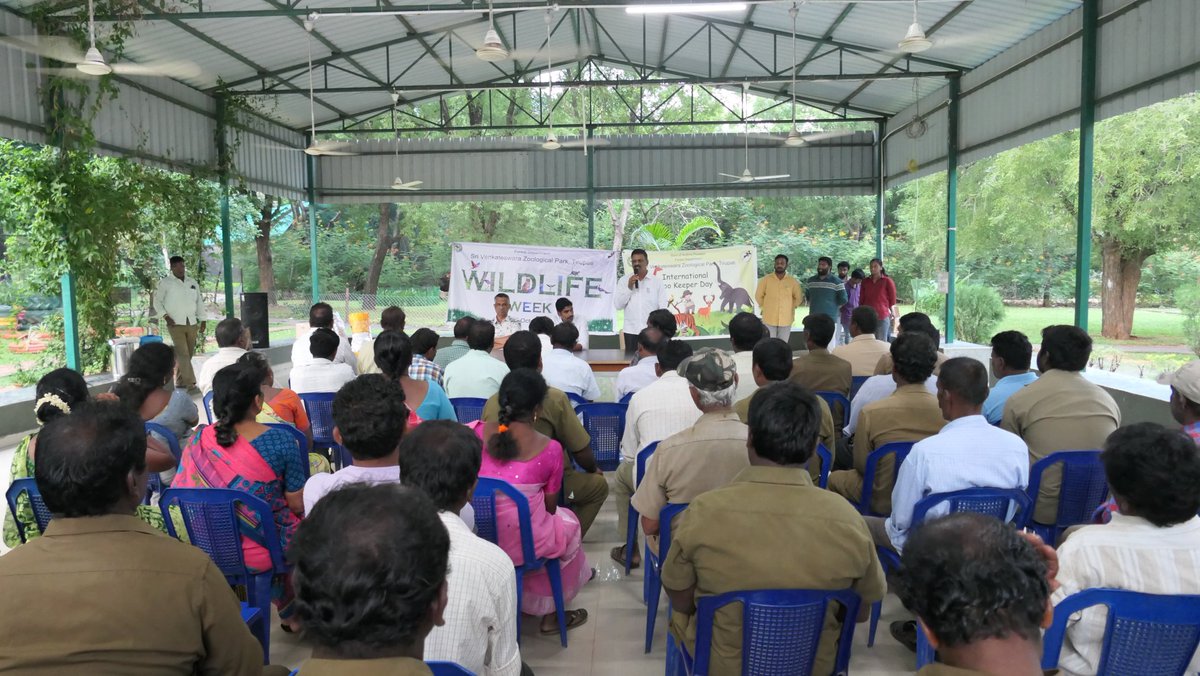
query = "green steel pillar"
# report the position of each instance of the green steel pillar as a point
(591, 194)
(1087, 121)
(880, 128)
(223, 179)
(952, 201)
(310, 170)
(70, 322)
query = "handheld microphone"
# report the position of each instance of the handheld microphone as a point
(635, 282)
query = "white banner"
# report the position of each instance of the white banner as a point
(534, 277)
(706, 287)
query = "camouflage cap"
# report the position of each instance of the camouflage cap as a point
(709, 369)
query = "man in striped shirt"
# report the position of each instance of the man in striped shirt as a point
(824, 292)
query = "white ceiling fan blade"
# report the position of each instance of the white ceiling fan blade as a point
(410, 185)
(46, 46)
(580, 143)
(733, 176)
(173, 69)
(774, 177)
(825, 135)
(72, 73)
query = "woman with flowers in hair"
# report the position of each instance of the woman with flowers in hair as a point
(533, 464)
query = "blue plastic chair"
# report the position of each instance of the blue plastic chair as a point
(835, 399)
(447, 669)
(1144, 634)
(208, 407)
(41, 514)
(1010, 505)
(151, 338)
(855, 383)
(319, 407)
(631, 527)
(781, 630)
(154, 480)
(1084, 487)
(605, 424)
(468, 409)
(826, 459)
(484, 502)
(652, 581)
(901, 450)
(213, 523)
(301, 442)
(576, 399)
(625, 399)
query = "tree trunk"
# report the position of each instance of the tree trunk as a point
(619, 218)
(383, 244)
(262, 246)
(1121, 273)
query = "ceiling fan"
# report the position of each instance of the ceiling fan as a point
(91, 63)
(492, 49)
(746, 176)
(319, 148)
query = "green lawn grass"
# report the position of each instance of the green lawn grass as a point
(1151, 326)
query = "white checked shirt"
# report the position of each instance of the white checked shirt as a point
(637, 377)
(224, 357)
(321, 375)
(302, 353)
(663, 408)
(1130, 553)
(640, 302)
(874, 389)
(968, 453)
(569, 374)
(480, 633)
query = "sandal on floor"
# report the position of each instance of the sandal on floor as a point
(618, 554)
(575, 618)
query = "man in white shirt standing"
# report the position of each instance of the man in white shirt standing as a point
(320, 316)
(638, 295)
(321, 373)
(233, 339)
(661, 409)
(566, 314)
(477, 373)
(505, 325)
(642, 373)
(177, 300)
(564, 370)
(442, 458)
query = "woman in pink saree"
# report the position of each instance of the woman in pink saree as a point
(533, 464)
(240, 453)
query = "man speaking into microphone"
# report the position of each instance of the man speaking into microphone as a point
(639, 295)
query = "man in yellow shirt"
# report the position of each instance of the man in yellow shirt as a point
(778, 296)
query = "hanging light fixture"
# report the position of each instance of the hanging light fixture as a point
(93, 61)
(915, 41)
(492, 49)
(794, 139)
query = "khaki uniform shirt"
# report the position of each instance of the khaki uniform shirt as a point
(110, 595)
(1060, 411)
(825, 436)
(910, 413)
(384, 666)
(768, 529)
(822, 371)
(863, 353)
(778, 299)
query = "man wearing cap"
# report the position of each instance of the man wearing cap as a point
(1185, 397)
(707, 455)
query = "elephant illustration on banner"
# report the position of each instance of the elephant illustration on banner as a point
(733, 298)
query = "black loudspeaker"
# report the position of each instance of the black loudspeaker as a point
(254, 316)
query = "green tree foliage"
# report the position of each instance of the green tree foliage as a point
(978, 310)
(1187, 298)
(660, 237)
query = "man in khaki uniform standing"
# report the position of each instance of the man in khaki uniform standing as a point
(910, 413)
(770, 528)
(1061, 410)
(707, 455)
(177, 300)
(778, 295)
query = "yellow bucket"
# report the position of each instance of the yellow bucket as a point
(360, 322)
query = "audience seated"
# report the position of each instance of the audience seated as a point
(864, 349)
(425, 398)
(662, 408)
(391, 319)
(1185, 397)
(879, 387)
(967, 453)
(566, 314)
(707, 455)
(58, 393)
(772, 364)
(241, 453)
(981, 591)
(233, 341)
(146, 390)
(641, 373)
(1061, 410)
(585, 491)
(745, 331)
(320, 316)
(913, 321)
(476, 373)
(424, 344)
(369, 590)
(769, 529)
(457, 347)
(280, 404)
(442, 458)
(1152, 545)
(910, 413)
(564, 370)
(102, 592)
(541, 327)
(819, 370)
(1011, 356)
(663, 320)
(321, 373)
(533, 463)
